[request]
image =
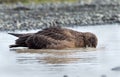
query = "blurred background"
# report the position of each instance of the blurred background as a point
(80, 1)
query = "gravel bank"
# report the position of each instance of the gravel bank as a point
(27, 17)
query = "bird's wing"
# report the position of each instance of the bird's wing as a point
(45, 42)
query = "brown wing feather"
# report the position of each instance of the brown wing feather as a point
(57, 30)
(40, 41)
(45, 42)
(21, 40)
(15, 34)
(56, 33)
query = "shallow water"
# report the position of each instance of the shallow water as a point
(89, 62)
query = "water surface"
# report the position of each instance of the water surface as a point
(89, 62)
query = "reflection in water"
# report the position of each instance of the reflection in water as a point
(56, 60)
(51, 56)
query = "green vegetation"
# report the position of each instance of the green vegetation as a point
(36, 1)
(80, 1)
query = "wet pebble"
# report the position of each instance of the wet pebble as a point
(116, 68)
(103, 75)
(65, 76)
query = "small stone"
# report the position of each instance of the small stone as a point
(21, 8)
(116, 69)
(65, 76)
(103, 76)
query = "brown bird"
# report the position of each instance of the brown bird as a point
(55, 38)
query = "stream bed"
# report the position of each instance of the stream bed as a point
(89, 62)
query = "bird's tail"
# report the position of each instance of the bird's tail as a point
(15, 34)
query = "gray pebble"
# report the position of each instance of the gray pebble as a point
(103, 76)
(116, 69)
(65, 76)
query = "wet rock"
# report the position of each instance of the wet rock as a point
(21, 8)
(65, 76)
(116, 68)
(103, 75)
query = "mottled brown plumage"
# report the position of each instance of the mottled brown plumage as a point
(55, 38)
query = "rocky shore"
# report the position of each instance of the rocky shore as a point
(32, 16)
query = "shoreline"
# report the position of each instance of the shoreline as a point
(27, 17)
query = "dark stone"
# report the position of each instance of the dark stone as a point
(65, 76)
(21, 8)
(103, 76)
(116, 69)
